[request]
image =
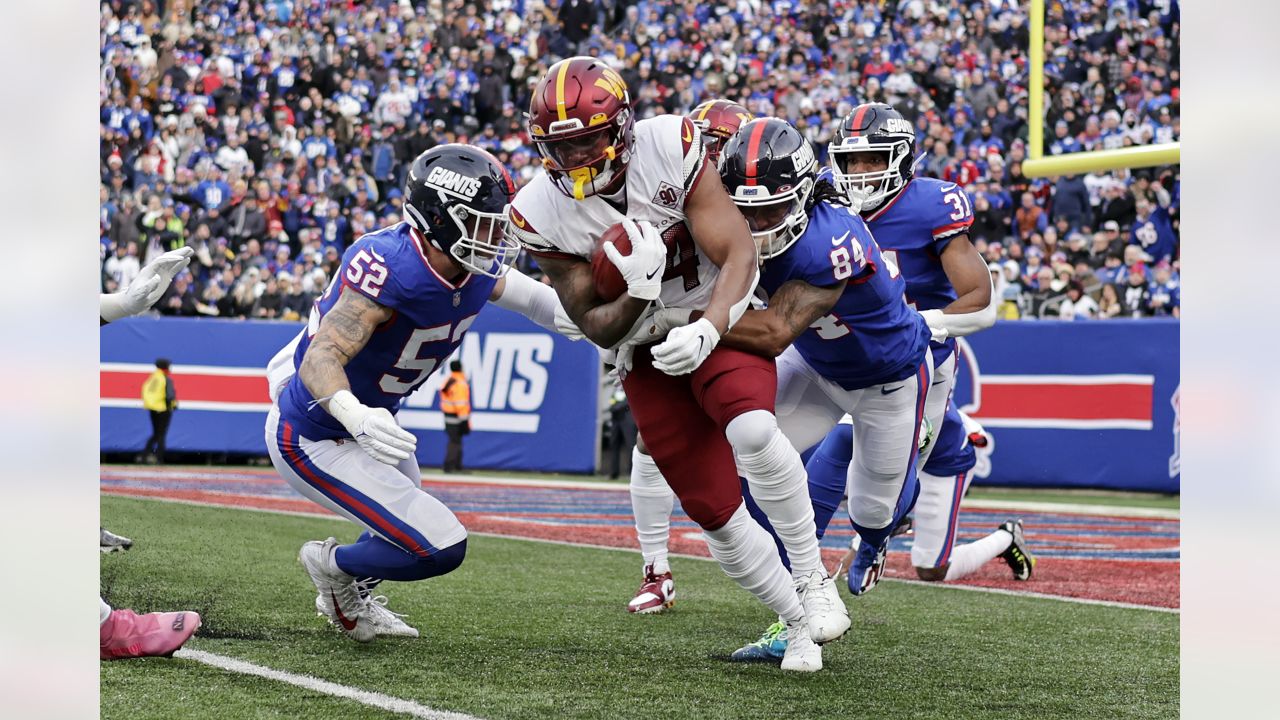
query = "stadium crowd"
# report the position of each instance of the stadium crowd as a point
(269, 135)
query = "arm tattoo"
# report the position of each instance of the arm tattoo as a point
(800, 304)
(792, 309)
(343, 333)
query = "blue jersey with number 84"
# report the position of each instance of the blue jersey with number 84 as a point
(870, 337)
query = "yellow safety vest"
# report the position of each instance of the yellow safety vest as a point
(153, 392)
(455, 396)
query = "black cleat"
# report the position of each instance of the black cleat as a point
(1020, 561)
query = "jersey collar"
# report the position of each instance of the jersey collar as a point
(418, 239)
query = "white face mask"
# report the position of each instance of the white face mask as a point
(780, 234)
(868, 190)
(485, 247)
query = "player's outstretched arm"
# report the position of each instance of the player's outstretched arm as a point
(605, 324)
(343, 332)
(146, 288)
(792, 309)
(972, 309)
(521, 293)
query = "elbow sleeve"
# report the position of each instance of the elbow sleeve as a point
(738, 308)
(530, 298)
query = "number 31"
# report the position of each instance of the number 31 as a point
(960, 201)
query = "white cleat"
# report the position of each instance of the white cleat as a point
(385, 621)
(345, 608)
(110, 542)
(388, 622)
(825, 609)
(803, 654)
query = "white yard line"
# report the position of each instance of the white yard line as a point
(942, 586)
(364, 697)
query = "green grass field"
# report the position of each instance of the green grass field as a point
(535, 630)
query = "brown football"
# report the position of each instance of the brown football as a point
(609, 283)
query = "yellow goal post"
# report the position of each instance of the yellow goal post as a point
(1077, 163)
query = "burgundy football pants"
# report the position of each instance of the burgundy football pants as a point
(682, 420)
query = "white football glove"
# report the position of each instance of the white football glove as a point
(147, 287)
(643, 268)
(686, 347)
(658, 323)
(933, 318)
(375, 429)
(565, 325)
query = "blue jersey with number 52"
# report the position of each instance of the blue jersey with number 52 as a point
(870, 337)
(913, 229)
(430, 318)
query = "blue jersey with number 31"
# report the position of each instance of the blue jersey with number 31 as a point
(870, 337)
(430, 318)
(913, 229)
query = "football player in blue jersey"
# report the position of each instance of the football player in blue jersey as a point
(399, 305)
(935, 522)
(844, 339)
(922, 227)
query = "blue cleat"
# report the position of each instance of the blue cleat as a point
(867, 567)
(769, 648)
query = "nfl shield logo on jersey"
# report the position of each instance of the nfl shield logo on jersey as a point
(457, 299)
(668, 195)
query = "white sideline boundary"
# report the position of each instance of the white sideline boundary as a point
(307, 682)
(935, 585)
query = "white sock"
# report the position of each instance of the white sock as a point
(104, 611)
(747, 554)
(652, 501)
(967, 558)
(779, 484)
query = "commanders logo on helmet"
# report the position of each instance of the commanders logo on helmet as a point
(876, 130)
(458, 197)
(770, 171)
(718, 119)
(581, 122)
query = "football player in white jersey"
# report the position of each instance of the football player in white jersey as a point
(699, 407)
(651, 498)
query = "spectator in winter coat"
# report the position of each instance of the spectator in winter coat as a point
(1029, 218)
(1071, 201)
(1137, 294)
(1078, 305)
(1109, 305)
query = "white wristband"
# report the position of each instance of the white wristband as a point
(112, 307)
(347, 409)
